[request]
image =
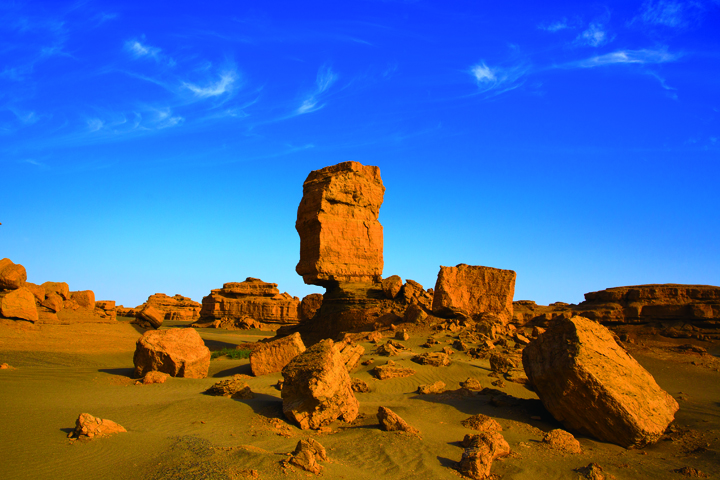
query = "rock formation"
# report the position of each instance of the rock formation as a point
(391, 422)
(84, 299)
(272, 356)
(91, 427)
(593, 386)
(106, 309)
(478, 456)
(317, 388)
(234, 387)
(12, 275)
(149, 317)
(18, 303)
(309, 305)
(341, 239)
(179, 352)
(253, 298)
(306, 456)
(176, 307)
(474, 292)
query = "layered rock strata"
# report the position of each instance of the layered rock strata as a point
(593, 386)
(253, 298)
(176, 307)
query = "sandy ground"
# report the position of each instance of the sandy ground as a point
(177, 432)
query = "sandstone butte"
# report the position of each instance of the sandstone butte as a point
(698, 305)
(474, 291)
(176, 307)
(252, 298)
(593, 386)
(341, 239)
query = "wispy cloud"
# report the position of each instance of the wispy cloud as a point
(138, 49)
(34, 162)
(324, 80)
(556, 26)
(595, 35)
(668, 13)
(670, 91)
(644, 56)
(224, 85)
(494, 81)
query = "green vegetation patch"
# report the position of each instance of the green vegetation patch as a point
(231, 352)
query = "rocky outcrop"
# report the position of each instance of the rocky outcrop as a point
(176, 307)
(179, 352)
(84, 299)
(474, 292)
(18, 303)
(317, 388)
(91, 427)
(272, 356)
(12, 275)
(60, 288)
(106, 309)
(593, 386)
(391, 286)
(341, 239)
(253, 298)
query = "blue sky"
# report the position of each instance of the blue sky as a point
(161, 146)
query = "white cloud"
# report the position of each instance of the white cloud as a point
(496, 80)
(483, 73)
(626, 56)
(94, 124)
(595, 35)
(140, 50)
(225, 84)
(324, 80)
(663, 12)
(555, 26)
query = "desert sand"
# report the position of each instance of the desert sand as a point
(174, 430)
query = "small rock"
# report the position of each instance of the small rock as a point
(5, 366)
(234, 388)
(151, 377)
(437, 387)
(434, 359)
(391, 370)
(559, 439)
(359, 386)
(306, 454)
(471, 384)
(690, 472)
(90, 427)
(482, 423)
(402, 335)
(592, 471)
(498, 383)
(391, 421)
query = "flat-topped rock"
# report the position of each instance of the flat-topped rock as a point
(176, 307)
(341, 238)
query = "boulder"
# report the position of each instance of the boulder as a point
(471, 384)
(341, 239)
(306, 455)
(309, 305)
(272, 356)
(177, 307)
(12, 275)
(84, 298)
(37, 290)
(434, 359)
(477, 458)
(414, 293)
(391, 422)
(53, 302)
(179, 352)
(61, 288)
(414, 314)
(391, 286)
(106, 309)
(474, 291)
(91, 427)
(317, 388)
(18, 303)
(391, 370)
(563, 441)
(253, 298)
(149, 317)
(481, 423)
(593, 386)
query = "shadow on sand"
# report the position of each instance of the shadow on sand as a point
(229, 372)
(123, 372)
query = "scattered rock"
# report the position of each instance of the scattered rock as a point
(60, 288)
(272, 356)
(434, 359)
(351, 354)
(90, 427)
(360, 386)
(482, 423)
(391, 370)
(153, 377)
(179, 352)
(561, 440)
(429, 342)
(12, 275)
(472, 290)
(592, 471)
(402, 335)
(477, 458)
(386, 350)
(149, 317)
(501, 363)
(437, 387)
(690, 472)
(235, 387)
(317, 388)
(391, 286)
(5, 366)
(593, 386)
(471, 384)
(306, 454)
(391, 422)
(499, 383)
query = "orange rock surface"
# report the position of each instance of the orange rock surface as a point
(176, 307)
(253, 298)
(18, 303)
(341, 238)
(275, 354)
(12, 275)
(473, 291)
(179, 352)
(84, 298)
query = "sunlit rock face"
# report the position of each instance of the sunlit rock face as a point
(253, 298)
(341, 239)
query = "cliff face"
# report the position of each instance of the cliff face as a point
(253, 298)
(341, 239)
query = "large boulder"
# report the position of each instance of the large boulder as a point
(253, 298)
(593, 386)
(60, 288)
(12, 275)
(179, 352)
(106, 309)
(341, 239)
(18, 303)
(317, 388)
(149, 317)
(84, 298)
(473, 291)
(309, 305)
(272, 356)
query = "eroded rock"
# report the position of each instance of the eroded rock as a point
(235, 387)
(478, 457)
(391, 422)
(179, 352)
(18, 303)
(253, 298)
(12, 275)
(559, 439)
(272, 356)
(92, 427)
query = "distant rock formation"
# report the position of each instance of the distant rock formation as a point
(593, 386)
(253, 298)
(341, 239)
(176, 307)
(474, 292)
